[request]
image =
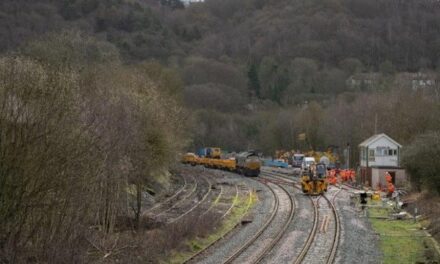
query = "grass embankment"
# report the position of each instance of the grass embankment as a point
(401, 241)
(242, 205)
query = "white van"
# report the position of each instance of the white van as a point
(307, 162)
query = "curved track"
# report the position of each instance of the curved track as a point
(181, 195)
(196, 205)
(314, 242)
(332, 256)
(169, 199)
(255, 248)
(186, 200)
(318, 243)
(224, 202)
(228, 211)
(311, 235)
(321, 247)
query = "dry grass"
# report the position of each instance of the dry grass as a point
(148, 245)
(241, 207)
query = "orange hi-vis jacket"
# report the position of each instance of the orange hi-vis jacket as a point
(390, 187)
(352, 175)
(388, 177)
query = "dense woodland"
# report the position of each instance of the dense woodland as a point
(98, 97)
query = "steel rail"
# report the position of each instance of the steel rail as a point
(196, 205)
(279, 234)
(157, 205)
(193, 190)
(258, 233)
(335, 244)
(229, 231)
(312, 234)
(284, 228)
(215, 201)
(332, 256)
(233, 202)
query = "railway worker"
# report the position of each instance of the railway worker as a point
(390, 189)
(388, 177)
(344, 175)
(352, 175)
(347, 175)
(332, 177)
(332, 180)
(337, 173)
(333, 173)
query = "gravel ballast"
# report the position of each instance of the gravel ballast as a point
(259, 214)
(358, 243)
(295, 237)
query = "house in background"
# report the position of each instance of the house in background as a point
(427, 83)
(188, 2)
(363, 81)
(379, 154)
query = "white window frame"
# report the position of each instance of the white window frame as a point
(382, 151)
(371, 156)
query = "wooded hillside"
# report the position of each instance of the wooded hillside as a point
(240, 61)
(98, 97)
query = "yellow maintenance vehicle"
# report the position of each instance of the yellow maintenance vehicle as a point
(313, 180)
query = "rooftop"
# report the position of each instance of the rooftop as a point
(373, 138)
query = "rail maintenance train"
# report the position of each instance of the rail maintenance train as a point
(247, 163)
(313, 179)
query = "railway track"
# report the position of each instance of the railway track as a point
(281, 176)
(232, 203)
(322, 246)
(255, 248)
(163, 208)
(218, 197)
(318, 242)
(195, 192)
(189, 203)
(224, 203)
(272, 230)
(332, 257)
(169, 199)
(196, 204)
(311, 235)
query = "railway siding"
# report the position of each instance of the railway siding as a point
(238, 237)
